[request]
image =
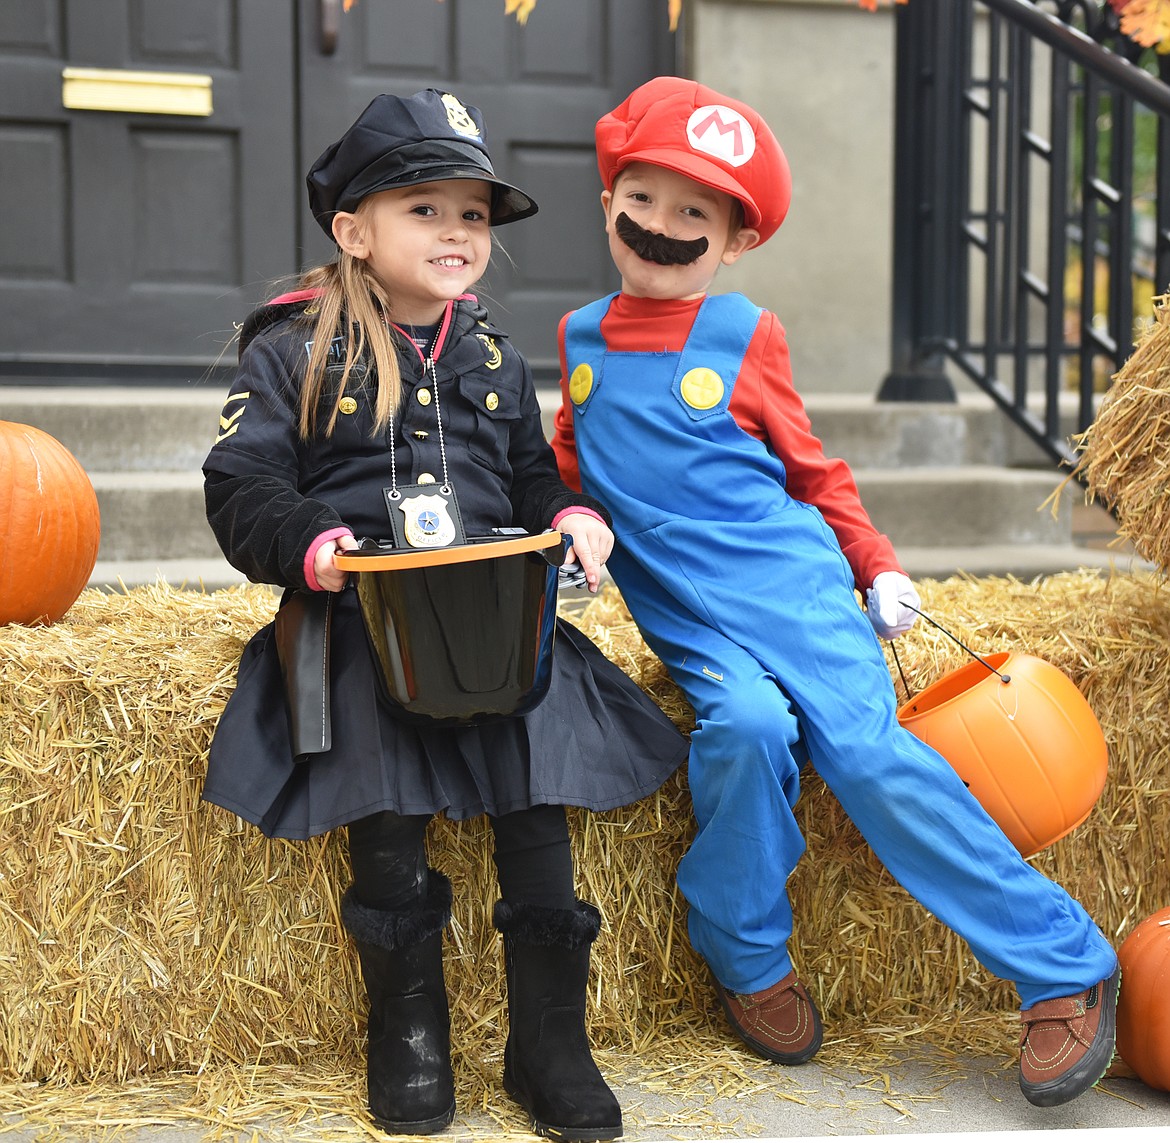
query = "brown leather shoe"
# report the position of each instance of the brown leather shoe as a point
(780, 1023)
(1066, 1044)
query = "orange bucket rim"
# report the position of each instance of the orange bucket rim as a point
(406, 559)
(989, 666)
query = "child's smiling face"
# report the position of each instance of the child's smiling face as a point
(664, 202)
(427, 244)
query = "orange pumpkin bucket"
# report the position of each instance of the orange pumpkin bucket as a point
(1021, 735)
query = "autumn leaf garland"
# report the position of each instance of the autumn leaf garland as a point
(522, 9)
(1146, 22)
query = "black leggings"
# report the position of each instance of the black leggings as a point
(387, 853)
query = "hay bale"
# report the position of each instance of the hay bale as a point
(145, 934)
(1125, 452)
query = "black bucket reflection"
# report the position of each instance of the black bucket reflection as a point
(461, 634)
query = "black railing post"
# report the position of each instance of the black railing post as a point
(1016, 241)
(920, 140)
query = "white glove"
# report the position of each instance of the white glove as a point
(886, 604)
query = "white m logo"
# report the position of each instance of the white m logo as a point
(721, 133)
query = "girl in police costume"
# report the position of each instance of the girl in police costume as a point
(382, 372)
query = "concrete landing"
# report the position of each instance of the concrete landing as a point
(968, 1100)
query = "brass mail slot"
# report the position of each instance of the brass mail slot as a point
(143, 92)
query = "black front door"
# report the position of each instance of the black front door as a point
(152, 157)
(129, 237)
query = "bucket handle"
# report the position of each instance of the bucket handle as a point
(954, 639)
(556, 555)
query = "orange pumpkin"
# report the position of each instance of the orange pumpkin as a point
(49, 526)
(1143, 1008)
(1030, 750)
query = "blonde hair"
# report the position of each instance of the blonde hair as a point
(353, 298)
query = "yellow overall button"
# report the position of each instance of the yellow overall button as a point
(580, 383)
(347, 405)
(701, 388)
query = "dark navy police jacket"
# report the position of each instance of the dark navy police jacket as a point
(270, 494)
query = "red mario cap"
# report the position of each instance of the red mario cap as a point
(711, 138)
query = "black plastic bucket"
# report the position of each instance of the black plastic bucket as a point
(461, 634)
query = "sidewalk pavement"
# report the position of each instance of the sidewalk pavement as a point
(971, 1100)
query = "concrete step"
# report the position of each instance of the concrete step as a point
(156, 515)
(1023, 561)
(965, 506)
(954, 486)
(193, 573)
(161, 514)
(122, 428)
(142, 429)
(132, 428)
(872, 434)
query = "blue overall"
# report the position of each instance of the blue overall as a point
(745, 595)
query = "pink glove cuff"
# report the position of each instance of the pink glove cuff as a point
(311, 555)
(570, 511)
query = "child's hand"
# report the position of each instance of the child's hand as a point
(329, 576)
(592, 543)
(892, 604)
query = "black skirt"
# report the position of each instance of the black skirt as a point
(596, 741)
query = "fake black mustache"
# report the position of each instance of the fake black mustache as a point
(657, 247)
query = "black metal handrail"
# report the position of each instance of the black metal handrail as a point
(1017, 206)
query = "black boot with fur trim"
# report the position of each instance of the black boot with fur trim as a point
(411, 1089)
(548, 1067)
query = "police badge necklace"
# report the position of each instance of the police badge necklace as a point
(429, 516)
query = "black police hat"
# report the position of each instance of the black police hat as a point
(398, 142)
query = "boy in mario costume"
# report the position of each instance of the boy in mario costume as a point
(739, 546)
